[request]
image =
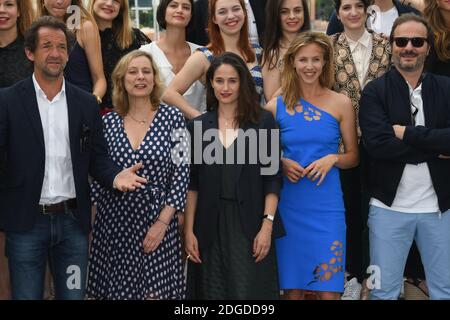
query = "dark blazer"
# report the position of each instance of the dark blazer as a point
(385, 101)
(335, 25)
(199, 34)
(22, 154)
(251, 188)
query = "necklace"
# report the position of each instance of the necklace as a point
(227, 121)
(138, 121)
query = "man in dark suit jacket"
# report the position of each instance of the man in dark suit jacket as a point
(405, 123)
(51, 139)
(199, 33)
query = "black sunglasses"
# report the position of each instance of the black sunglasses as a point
(417, 42)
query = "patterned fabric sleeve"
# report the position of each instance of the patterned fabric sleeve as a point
(177, 189)
(258, 52)
(208, 53)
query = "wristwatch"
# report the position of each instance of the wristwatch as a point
(269, 217)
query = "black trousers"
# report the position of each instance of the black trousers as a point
(354, 219)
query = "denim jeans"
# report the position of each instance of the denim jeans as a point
(391, 235)
(59, 239)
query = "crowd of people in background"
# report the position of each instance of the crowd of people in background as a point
(353, 203)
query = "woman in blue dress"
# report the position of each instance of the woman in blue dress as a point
(312, 120)
(136, 247)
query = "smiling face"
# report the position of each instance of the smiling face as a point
(50, 56)
(107, 10)
(229, 16)
(410, 58)
(9, 12)
(352, 14)
(444, 5)
(178, 13)
(57, 8)
(226, 84)
(291, 16)
(139, 77)
(309, 62)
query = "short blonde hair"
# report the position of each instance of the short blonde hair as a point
(119, 94)
(290, 84)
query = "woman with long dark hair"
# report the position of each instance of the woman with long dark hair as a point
(231, 215)
(292, 17)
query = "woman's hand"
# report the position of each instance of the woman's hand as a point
(292, 170)
(261, 244)
(154, 236)
(320, 168)
(191, 247)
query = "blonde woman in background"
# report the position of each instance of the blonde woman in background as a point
(85, 65)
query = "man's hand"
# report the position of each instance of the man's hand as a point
(399, 131)
(127, 180)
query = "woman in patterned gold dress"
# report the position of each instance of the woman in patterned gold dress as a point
(360, 56)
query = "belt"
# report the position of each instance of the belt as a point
(57, 207)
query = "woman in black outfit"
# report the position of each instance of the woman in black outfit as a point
(231, 206)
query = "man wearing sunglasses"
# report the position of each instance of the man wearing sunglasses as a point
(405, 123)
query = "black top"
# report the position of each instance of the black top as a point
(437, 66)
(111, 54)
(229, 173)
(14, 64)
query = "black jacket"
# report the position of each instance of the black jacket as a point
(22, 154)
(385, 101)
(251, 188)
(199, 34)
(335, 25)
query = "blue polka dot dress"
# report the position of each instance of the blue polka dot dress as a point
(119, 268)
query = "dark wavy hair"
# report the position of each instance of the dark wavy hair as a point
(271, 41)
(248, 109)
(366, 3)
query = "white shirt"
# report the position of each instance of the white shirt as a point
(415, 192)
(196, 94)
(58, 182)
(383, 21)
(252, 30)
(361, 51)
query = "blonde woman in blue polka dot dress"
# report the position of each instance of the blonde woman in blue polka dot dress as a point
(136, 247)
